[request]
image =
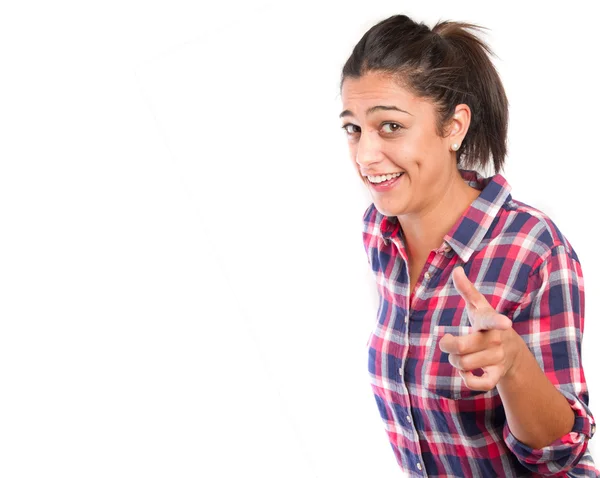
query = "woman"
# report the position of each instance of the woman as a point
(475, 360)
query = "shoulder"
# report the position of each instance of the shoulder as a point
(526, 251)
(535, 230)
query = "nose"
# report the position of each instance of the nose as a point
(368, 151)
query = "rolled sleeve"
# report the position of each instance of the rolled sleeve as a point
(550, 321)
(562, 454)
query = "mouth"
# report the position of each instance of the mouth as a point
(384, 178)
(386, 185)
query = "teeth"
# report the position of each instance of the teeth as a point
(385, 177)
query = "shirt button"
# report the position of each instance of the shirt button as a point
(400, 371)
(427, 276)
(419, 466)
(408, 418)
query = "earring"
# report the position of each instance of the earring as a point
(455, 146)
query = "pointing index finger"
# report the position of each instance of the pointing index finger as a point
(467, 290)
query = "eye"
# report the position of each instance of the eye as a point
(350, 125)
(394, 127)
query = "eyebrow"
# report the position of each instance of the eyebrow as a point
(373, 109)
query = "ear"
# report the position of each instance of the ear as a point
(458, 126)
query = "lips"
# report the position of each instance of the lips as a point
(386, 185)
(399, 173)
(383, 174)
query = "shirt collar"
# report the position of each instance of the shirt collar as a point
(467, 233)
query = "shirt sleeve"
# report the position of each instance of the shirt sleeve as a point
(550, 320)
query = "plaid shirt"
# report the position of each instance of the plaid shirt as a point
(528, 271)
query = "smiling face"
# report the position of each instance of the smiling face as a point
(390, 130)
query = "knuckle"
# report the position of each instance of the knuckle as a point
(467, 379)
(496, 338)
(455, 361)
(491, 380)
(452, 360)
(466, 363)
(477, 385)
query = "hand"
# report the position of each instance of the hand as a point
(493, 345)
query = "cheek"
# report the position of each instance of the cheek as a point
(414, 148)
(428, 154)
(426, 138)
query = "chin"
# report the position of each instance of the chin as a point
(386, 210)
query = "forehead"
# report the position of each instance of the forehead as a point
(358, 94)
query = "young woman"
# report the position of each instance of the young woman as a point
(475, 359)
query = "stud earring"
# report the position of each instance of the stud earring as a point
(455, 146)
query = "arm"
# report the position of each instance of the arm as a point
(534, 361)
(536, 412)
(545, 393)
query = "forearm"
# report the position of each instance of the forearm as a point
(537, 413)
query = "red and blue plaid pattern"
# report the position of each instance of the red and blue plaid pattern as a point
(519, 260)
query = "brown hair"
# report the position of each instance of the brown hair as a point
(448, 64)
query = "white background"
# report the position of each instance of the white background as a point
(183, 285)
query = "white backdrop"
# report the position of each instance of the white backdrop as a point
(183, 287)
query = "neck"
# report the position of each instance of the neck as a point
(425, 230)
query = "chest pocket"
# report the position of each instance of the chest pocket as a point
(439, 376)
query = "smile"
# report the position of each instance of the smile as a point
(383, 178)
